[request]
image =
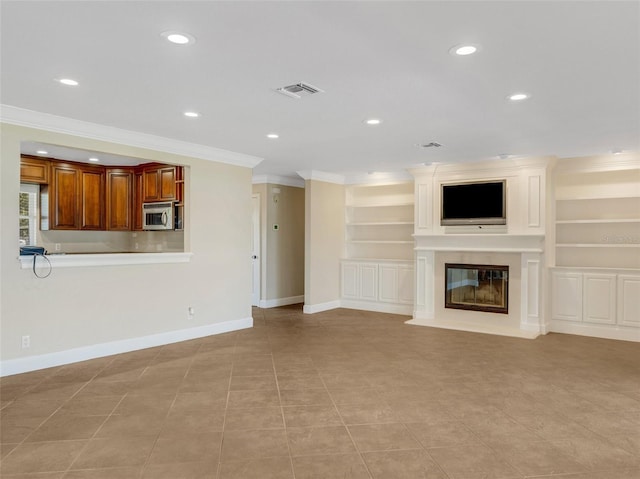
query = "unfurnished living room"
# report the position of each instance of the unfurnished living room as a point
(320, 240)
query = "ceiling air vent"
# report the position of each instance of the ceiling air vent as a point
(299, 90)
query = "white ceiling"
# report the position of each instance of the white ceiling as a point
(580, 61)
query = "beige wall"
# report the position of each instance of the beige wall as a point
(282, 274)
(324, 242)
(84, 306)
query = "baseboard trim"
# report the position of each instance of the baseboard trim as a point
(43, 361)
(473, 328)
(318, 308)
(404, 309)
(274, 303)
(595, 331)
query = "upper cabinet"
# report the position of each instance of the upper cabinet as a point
(34, 170)
(79, 196)
(76, 197)
(119, 199)
(159, 182)
(92, 198)
(64, 197)
(138, 194)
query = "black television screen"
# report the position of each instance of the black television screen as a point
(481, 203)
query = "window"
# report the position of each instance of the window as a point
(28, 214)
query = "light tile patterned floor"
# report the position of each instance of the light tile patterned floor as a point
(338, 395)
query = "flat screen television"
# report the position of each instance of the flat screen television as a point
(477, 203)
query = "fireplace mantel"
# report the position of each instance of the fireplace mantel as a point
(503, 243)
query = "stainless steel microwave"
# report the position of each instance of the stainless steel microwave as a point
(157, 216)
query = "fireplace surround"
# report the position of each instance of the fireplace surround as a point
(477, 287)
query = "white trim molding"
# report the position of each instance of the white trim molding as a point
(277, 180)
(69, 126)
(106, 259)
(322, 176)
(274, 303)
(379, 178)
(378, 307)
(33, 363)
(472, 327)
(318, 308)
(618, 332)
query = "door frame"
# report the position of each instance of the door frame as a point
(256, 257)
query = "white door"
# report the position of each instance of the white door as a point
(255, 249)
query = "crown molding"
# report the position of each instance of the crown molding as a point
(596, 164)
(322, 176)
(379, 178)
(487, 168)
(278, 180)
(69, 126)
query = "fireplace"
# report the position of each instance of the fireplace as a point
(477, 287)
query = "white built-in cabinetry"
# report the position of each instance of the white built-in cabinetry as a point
(595, 284)
(377, 271)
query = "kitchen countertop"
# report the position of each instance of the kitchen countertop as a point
(71, 260)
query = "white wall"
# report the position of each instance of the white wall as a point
(85, 306)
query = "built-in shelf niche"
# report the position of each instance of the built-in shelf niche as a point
(379, 221)
(598, 218)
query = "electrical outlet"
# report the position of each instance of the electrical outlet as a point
(57, 246)
(26, 342)
(191, 312)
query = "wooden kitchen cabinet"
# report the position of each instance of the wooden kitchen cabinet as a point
(92, 199)
(119, 199)
(34, 170)
(138, 195)
(76, 197)
(159, 183)
(64, 197)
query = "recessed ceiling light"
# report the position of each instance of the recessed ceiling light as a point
(68, 81)
(373, 121)
(179, 38)
(94, 160)
(462, 50)
(519, 96)
(192, 114)
(273, 136)
(42, 152)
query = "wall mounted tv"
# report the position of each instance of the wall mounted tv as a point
(477, 203)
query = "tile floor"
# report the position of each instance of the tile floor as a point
(338, 395)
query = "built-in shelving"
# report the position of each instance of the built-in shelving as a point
(377, 270)
(598, 218)
(379, 220)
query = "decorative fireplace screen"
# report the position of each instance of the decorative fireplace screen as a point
(477, 287)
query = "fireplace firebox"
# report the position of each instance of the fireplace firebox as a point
(477, 287)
